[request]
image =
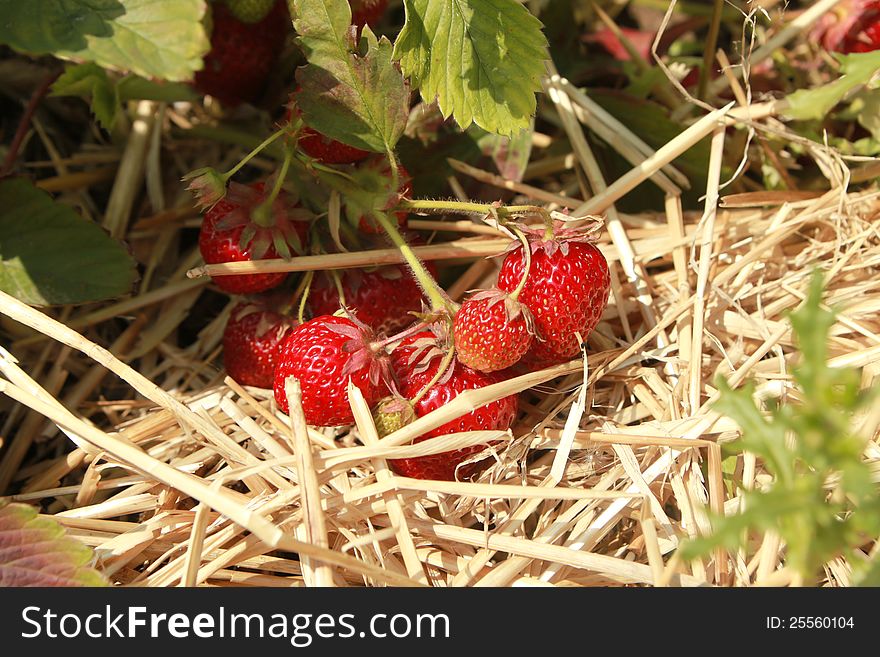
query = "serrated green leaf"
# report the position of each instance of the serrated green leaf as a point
(351, 92)
(153, 38)
(482, 60)
(50, 255)
(91, 81)
(35, 551)
(856, 69)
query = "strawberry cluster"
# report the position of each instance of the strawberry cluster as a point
(389, 330)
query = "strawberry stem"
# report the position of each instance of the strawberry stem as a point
(527, 253)
(247, 158)
(444, 365)
(262, 214)
(337, 282)
(435, 294)
(307, 287)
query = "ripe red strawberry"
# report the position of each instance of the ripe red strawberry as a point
(415, 363)
(323, 354)
(367, 12)
(250, 343)
(329, 151)
(567, 290)
(228, 234)
(853, 26)
(381, 298)
(322, 148)
(492, 331)
(242, 54)
(374, 178)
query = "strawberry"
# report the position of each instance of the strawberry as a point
(230, 233)
(367, 12)
(329, 151)
(492, 331)
(323, 354)
(322, 148)
(242, 55)
(374, 179)
(415, 362)
(566, 290)
(381, 298)
(852, 26)
(250, 342)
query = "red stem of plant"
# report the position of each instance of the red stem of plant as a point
(25, 122)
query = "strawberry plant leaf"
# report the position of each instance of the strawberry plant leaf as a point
(50, 255)
(482, 59)
(107, 93)
(35, 551)
(154, 38)
(349, 91)
(856, 70)
(91, 81)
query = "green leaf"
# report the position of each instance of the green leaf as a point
(856, 69)
(50, 255)
(35, 551)
(106, 93)
(482, 59)
(351, 92)
(866, 107)
(91, 81)
(153, 38)
(822, 499)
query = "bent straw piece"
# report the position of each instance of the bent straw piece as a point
(474, 248)
(470, 400)
(662, 157)
(608, 127)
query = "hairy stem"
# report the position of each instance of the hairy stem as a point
(337, 283)
(435, 294)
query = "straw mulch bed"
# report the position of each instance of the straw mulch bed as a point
(182, 477)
